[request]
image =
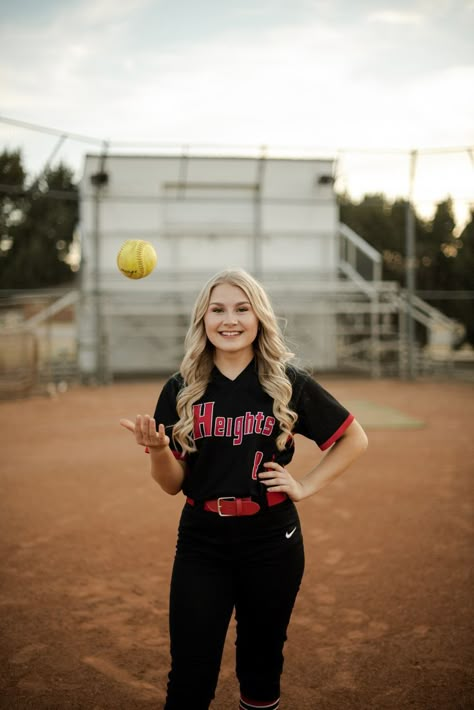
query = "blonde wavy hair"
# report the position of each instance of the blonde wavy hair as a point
(271, 352)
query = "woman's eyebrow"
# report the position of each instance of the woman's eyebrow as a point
(240, 303)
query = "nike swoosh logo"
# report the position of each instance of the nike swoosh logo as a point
(289, 534)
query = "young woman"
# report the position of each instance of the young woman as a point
(223, 433)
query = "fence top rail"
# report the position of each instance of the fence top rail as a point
(275, 287)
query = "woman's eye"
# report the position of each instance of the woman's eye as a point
(243, 309)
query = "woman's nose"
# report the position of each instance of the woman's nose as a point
(230, 318)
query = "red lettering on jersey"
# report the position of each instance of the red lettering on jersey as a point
(238, 430)
(237, 427)
(249, 423)
(219, 426)
(268, 426)
(203, 414)
(258, 422)
(256, 463)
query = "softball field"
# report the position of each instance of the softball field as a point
(384, 619)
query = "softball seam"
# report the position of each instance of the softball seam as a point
(140, 247)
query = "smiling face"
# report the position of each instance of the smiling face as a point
(230, 321)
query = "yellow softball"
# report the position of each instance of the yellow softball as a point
(136, 258)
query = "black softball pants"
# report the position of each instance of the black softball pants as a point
(253, 564)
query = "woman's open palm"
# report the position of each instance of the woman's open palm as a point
(144, 430)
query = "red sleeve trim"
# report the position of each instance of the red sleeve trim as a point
(178, 455)
(338, 433)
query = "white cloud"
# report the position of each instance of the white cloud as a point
(395, 17)
(314, 83)
(87, 13)
(309, 84)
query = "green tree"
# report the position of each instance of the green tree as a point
(436, 251)
(443, 262)
(12, 201)
(34, 255)
(462, 274)
(464, 266)
(382, 224)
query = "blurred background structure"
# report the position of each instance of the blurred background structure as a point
(373, 283)
(327, 146)
(276, 217)
(342, 132)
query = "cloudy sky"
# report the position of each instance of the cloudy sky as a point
(309, 76)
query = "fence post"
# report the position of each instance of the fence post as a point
(410, 248)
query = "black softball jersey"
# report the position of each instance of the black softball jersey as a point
(235, 430)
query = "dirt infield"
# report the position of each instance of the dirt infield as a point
(384, 619)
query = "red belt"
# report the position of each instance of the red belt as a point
(228, 506)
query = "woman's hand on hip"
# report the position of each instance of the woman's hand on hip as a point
(145, 431)
(279, 480)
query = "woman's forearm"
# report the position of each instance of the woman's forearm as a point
(345, 451)
(166, 470)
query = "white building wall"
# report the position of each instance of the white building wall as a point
(202, 214)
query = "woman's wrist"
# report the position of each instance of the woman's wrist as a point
(156, 450)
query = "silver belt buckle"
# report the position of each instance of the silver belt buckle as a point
(224, 515)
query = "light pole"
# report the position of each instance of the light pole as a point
(257, 216)
(410, 261)
(98, 181)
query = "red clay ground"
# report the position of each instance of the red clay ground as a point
(384, 618)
